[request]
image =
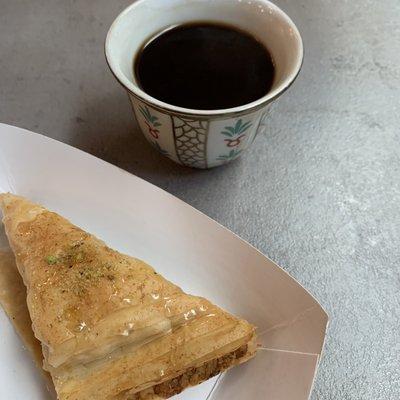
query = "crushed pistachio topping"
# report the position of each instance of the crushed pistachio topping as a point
(90, 274)
(51, 259)
(79, 269)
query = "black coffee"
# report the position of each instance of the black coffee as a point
(205, 66)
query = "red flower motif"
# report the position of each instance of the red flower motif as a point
(234, 142)
(153, 131)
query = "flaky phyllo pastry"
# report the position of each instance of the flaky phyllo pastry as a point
(109, 325)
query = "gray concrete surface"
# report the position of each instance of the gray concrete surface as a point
(320, 191)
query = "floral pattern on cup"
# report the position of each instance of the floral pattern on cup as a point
(151, 121)
(236, 133)
(196, 142)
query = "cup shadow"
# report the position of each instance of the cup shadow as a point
(106, 128)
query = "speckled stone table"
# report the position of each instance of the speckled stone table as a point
(320, 191)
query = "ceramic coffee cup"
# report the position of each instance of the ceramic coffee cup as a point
(202, 138)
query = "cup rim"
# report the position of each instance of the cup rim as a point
(172, 109)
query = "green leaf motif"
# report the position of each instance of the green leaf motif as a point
(145, 112)
(151, 119)
(237, 129)
(230, 156)
(157, 146)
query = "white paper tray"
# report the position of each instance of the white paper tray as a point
(185, 246)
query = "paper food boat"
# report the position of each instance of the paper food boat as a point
(184, 245)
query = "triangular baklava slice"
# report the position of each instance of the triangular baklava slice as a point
(109, 325)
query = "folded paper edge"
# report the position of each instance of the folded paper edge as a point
(301, 354)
